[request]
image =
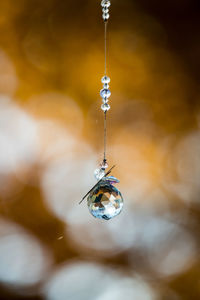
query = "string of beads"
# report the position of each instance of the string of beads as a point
(105, 9)
(105, 92)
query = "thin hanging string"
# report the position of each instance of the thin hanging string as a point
(105, 113)
(105, 44)
(105, 135)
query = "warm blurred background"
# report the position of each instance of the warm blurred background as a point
(51, 139)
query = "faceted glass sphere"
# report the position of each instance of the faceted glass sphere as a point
(105, 201)
(105, 79)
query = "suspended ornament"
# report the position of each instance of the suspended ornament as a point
(104, 199)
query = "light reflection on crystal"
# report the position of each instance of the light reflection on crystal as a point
(112, 179)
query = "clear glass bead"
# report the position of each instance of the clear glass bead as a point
(105, 93)
(105, 79)
(99, 173)
(105, 201)
(104, 164)
(106, 16)
(106, 86)
(105, 100)
(105, 3)
(105, 107)
(105, 10)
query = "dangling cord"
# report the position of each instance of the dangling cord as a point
(105, 92)
(105, 113)
(105, 136)
(105, 44)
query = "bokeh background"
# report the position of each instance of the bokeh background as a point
(51, 140)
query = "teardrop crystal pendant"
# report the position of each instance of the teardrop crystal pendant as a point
(105, 200)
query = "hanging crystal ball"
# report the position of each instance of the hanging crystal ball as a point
(105, 201)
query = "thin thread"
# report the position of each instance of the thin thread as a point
(105, 40)
(105, 134)
(105, 113)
